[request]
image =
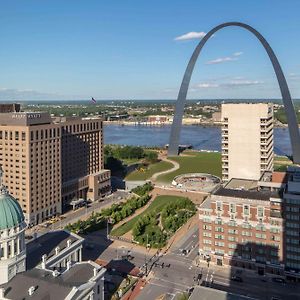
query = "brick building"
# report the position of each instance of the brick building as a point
(254, 224)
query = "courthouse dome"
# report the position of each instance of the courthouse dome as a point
(11, 213)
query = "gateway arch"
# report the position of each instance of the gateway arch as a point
(285, 93)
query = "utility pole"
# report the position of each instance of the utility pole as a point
(107, 230)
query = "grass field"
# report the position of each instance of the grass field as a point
(130, 161)
(281, 163)
(158, 203)
(152, 169)
(194, 162)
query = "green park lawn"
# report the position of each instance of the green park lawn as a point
(158, 203)
(152, 169)
(195, 162)
(281, 163)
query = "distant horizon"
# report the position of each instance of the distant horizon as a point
(146, 100)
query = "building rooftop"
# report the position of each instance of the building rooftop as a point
(48, 286)
(46, 244)
(244, 194)
(274, 177)
(206, 204)
(242, 184)
(205, 293)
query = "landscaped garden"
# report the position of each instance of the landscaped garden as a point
(159, 221)
(195, 162)
(115, 213)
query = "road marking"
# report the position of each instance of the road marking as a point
(222, 282)
(165, 286)
(172, 282)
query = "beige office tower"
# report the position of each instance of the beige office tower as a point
(247, 140)
(49, 162)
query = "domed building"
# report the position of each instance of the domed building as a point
(12, 235)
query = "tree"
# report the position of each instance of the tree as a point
(113, 164)
(152, 157)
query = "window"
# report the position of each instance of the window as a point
(207, 242)
(207, 227)
(218, 222)
(220, 244)
(261, 227)
(260, 235)
(206, 234)
(23, 136)
(232, 208)
(246, 210)
(219, 206)
(219, 236)
(260, 212)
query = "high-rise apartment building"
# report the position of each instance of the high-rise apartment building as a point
(247, 140)
(48, 162)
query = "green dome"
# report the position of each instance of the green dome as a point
(11, 213)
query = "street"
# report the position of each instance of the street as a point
(83, 212)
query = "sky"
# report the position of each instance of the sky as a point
(133, 49)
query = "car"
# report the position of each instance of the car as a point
(236, 278)
(278, 280)
(89, 246)
(239, 272)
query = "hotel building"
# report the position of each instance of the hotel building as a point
(48, 162)
(247, 140)
(254, 224)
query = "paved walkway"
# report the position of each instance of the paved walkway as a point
(175, 167)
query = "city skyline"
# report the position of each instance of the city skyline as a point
(111, 51)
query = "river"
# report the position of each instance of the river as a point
(200, 137)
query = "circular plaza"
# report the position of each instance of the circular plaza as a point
(199, 182)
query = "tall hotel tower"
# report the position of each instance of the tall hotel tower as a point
(247, 140)
(49, 162)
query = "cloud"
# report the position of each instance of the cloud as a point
(239, 83)
(206, 85)
(220, 60)
(237, 53)
(293, 75)
(9, 94)
(229, 84)
(190, 36)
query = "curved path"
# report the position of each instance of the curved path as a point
(175, 167)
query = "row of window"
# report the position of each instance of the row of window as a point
(246, 209)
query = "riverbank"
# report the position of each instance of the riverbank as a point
(185, 123)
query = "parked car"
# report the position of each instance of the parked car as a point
(236, 278)
(278, 280)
